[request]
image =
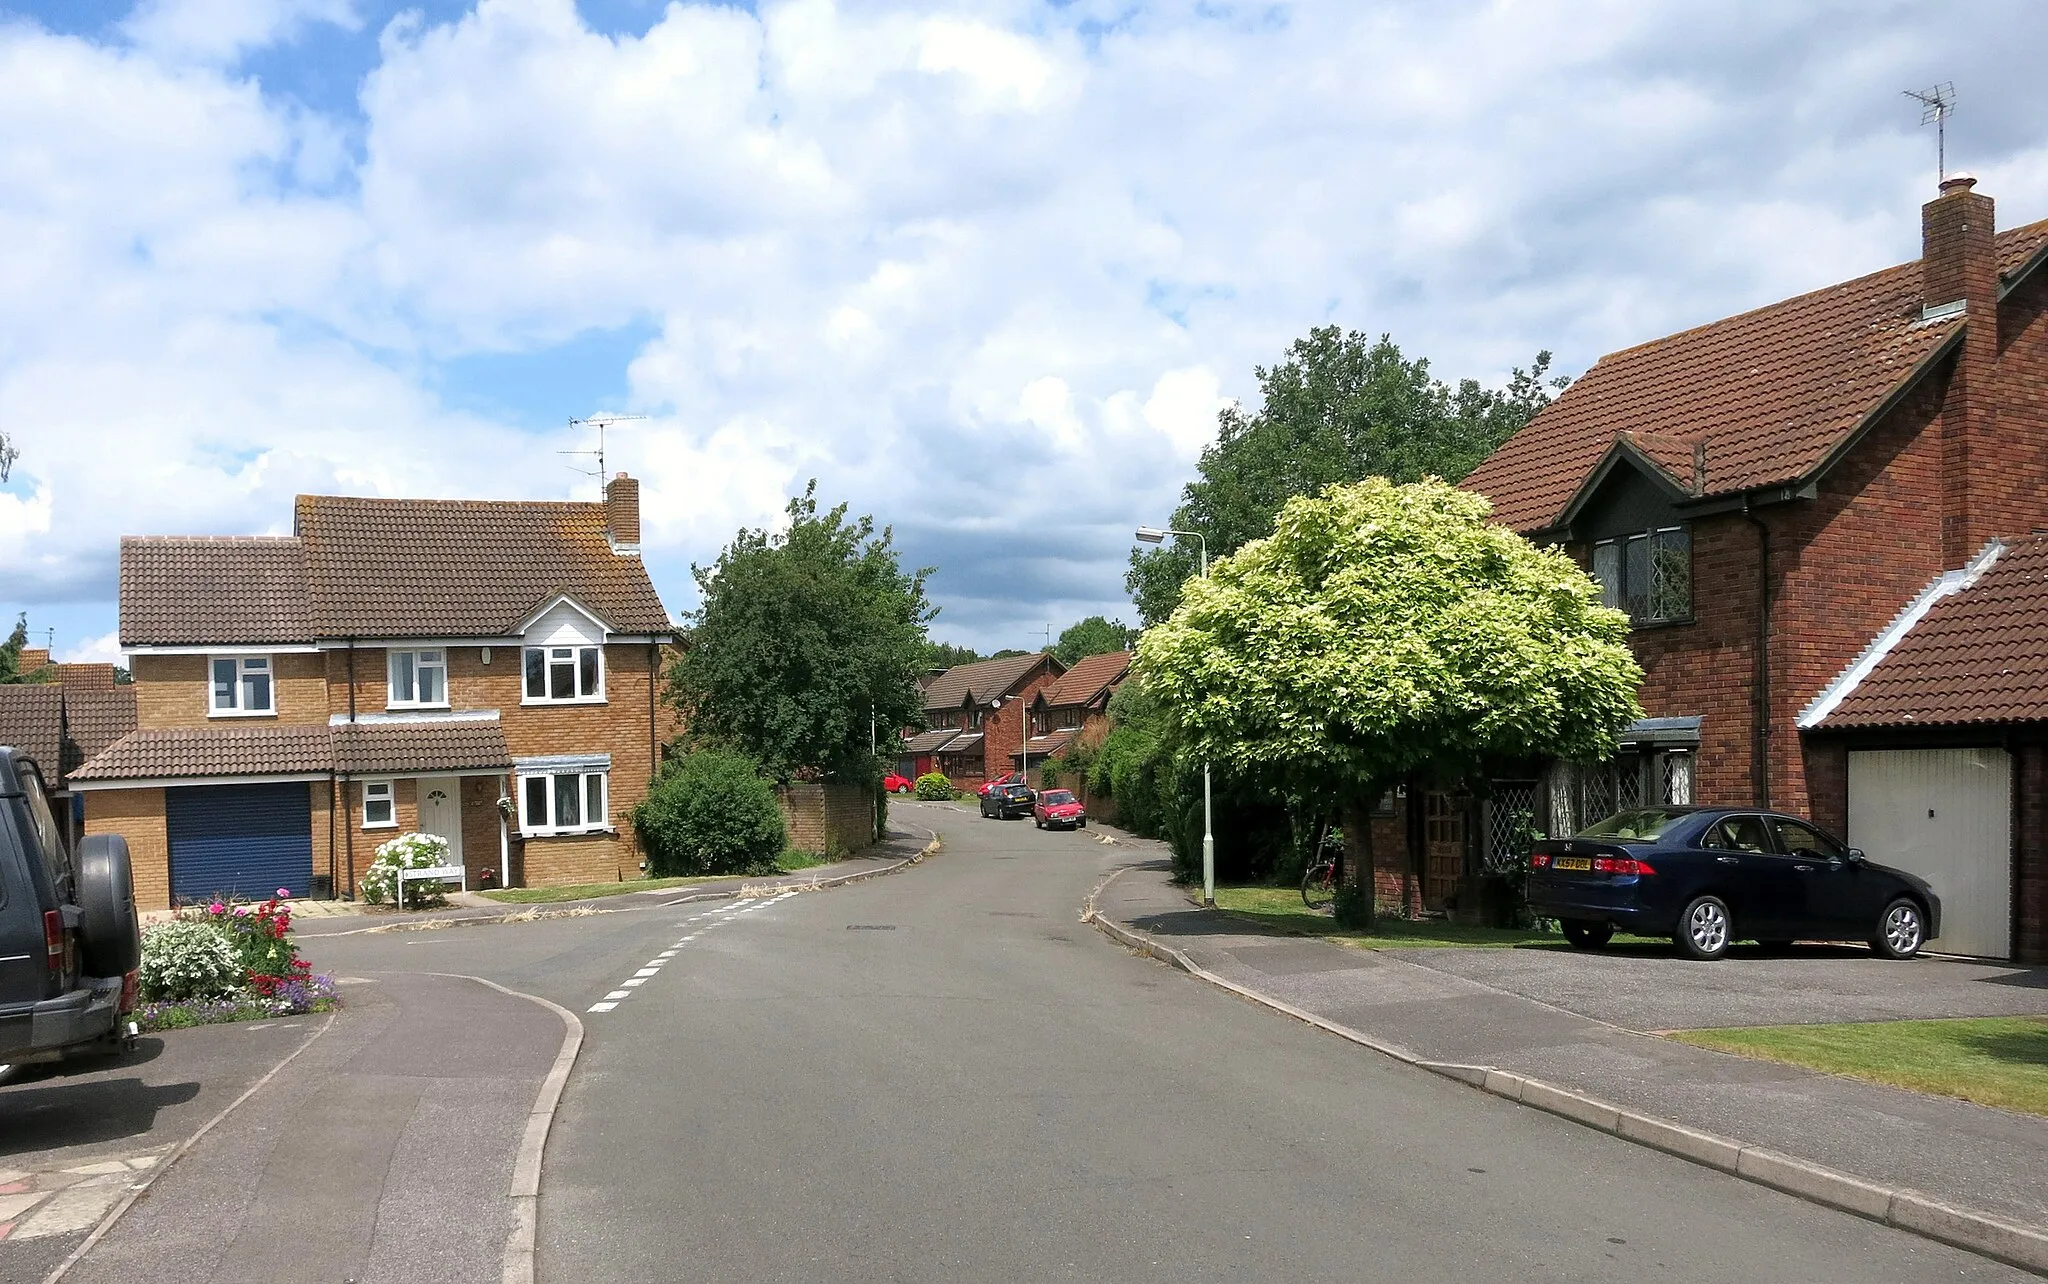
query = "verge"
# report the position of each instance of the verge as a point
(1907, 1210)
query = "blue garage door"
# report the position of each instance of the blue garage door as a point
(240, 840)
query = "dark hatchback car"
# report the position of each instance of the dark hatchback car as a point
(1008, 802)
(1706, 876)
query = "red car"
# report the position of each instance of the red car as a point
(1014, 778)
(1058, 809)
(896, 784)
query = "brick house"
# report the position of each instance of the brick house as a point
(975, 713)
(1075, 711)
(63, 722)
(1765, 493)
(485, 671)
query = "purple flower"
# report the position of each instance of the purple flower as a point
(241, 910)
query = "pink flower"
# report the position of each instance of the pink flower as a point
(241, 910)
(284, 893)
(216, 908)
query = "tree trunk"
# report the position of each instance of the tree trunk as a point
(1358, 844)
(1418, 845)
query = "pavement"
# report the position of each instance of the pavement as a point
(1431, 1005)
(946, 1075)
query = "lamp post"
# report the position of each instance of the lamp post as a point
(1155, 535)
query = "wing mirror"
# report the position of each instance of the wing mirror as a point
(1856, 856)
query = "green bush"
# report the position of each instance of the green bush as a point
(412, 851)
(184, 960)
(933, 786)
(710, 813)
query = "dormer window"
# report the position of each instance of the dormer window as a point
(241, 687)
(557, 674)
(419, 679)
(1648, 575)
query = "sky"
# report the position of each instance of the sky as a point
(985, 269)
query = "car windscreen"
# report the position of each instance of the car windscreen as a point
(1636, 825)
(1053, 797)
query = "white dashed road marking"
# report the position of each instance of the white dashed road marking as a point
(707, 919)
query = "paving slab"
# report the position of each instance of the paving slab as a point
(1970, 1155)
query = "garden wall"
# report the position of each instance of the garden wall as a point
(827, 819)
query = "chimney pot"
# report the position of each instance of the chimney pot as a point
(1961, 180)
(622, 513)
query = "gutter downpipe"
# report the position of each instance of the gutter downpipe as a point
(350, 829)
(1760, 684)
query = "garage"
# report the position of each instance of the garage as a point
(1946, 815)
(239, 840)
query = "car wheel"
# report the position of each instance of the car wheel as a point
(1705, 930)
(1587, 936)
(1902, 930)
(1036, 821)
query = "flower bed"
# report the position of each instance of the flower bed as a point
(227, 961)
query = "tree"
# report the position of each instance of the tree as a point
(944, 655)
(1340, 407)
(1092, 636)
(10, 658)
(1385, 633)
(807, 642)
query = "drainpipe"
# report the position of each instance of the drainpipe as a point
(504, 836)
(1760, 684)
(349, 830)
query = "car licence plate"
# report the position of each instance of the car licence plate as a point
(1572, 862)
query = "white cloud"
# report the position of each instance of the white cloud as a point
(986, 267)
(104, 649)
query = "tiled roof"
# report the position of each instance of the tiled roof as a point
(1769, 393)
(399, 748)
(929, 741)
(86, 677)
(464, 568)
(187, 591)
(969, 743)
(407, 748)
(32, 720)
(985, 680)
(1045, 746)
(187, 752)
(1088, 679)
(1978, 655)
(383, 568)
(94, 717)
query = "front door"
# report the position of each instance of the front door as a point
(441, 813)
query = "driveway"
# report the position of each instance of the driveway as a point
(1651, 988)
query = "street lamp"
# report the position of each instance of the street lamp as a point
(1155, 535)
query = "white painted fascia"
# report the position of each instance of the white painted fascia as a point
(562, 762)
(175, 782)
(275, 648)
(1947, 584)
(428, 716)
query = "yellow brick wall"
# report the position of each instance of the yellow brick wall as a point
(138, 816)
(827, 818)
(577, 858)
(172, 691)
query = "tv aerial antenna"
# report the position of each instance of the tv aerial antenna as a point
(1936, 106)
(599, 422)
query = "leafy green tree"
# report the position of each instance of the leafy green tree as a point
(1092, 636)
(1338, 408)
(806, 643)
(1385, 633)
(710, 813)
(10, 658)
(944, 655)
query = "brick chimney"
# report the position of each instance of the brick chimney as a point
(622, 514)
(1959, 265)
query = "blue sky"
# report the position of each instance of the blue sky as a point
(985, 268)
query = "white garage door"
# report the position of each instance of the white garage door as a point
(1946, 815)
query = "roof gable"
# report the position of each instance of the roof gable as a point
(985, 681)
(1767, 397)
(1089, 678)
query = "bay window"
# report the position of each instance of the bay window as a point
(562, 673)
(241, 686)
(418, 678)
(563, 802)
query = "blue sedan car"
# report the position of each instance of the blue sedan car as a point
(1706, 876)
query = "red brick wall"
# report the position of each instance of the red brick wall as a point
(1002, 729)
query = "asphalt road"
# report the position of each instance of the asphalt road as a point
(943, 1075)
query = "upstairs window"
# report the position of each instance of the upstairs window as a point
(241, 686)
(1647, 575)
(559, 673)
(418, 678)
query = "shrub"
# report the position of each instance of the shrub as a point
(255, 932)
(184, 959)
(710, 813)
(933, 786)
(410, 851)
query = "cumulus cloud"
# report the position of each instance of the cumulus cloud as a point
(987, 268)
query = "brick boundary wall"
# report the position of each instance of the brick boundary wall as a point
(827, 819)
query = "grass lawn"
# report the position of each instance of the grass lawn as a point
(788, 863)
(1993, 1061)
(1281, 907)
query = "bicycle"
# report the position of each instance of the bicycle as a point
(1319, 884)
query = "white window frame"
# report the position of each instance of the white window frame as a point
(389, 792)
(244, 666)
(550, 656)
(392, 699)
(529, 825)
